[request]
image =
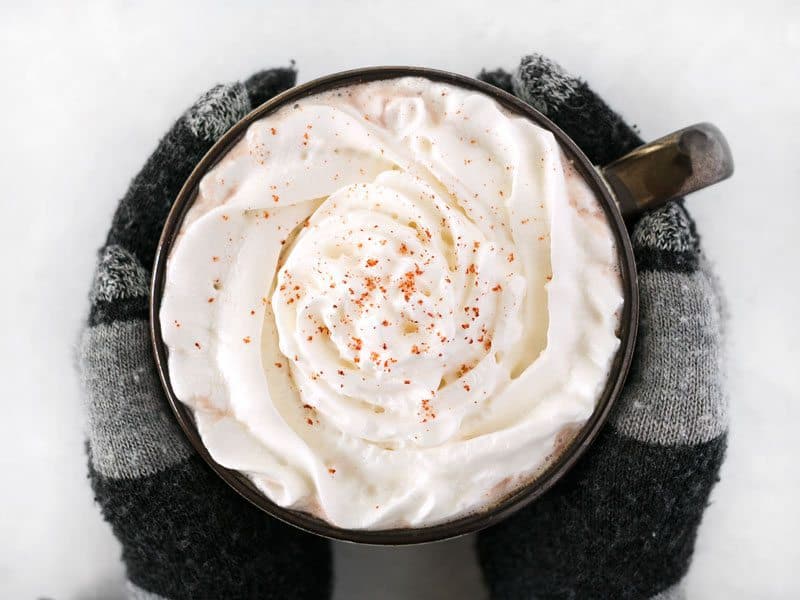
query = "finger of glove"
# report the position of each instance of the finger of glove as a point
(674, 393)
(572, 105)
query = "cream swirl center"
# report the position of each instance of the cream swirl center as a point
(386, 301)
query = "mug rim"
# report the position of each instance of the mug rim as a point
(523, 494)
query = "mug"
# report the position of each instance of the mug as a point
(672, 166)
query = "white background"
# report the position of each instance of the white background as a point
(87, 89)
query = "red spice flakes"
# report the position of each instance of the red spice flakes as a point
(331, 471)
(215, 259)
(371, 262)
(246, 339)
(466, 387)
(465, 326)
(355, 344)
(265, 214)
(197, 345)
(464, 369)
(279, 365)
(408, 285)
(385, 323)
(511, 257)
(471, 270)
(177, 323)
(252, 312)
(275, 197)
(427, 411)
(473, 141)
(384, 346)
(501, 193)
(487, 345)
(210, 300)
(273, 131)
(225, 217)
(403, 249)
(549, 278)
(415, 349)
(375, 357)
(340, 373)
(407, 382)
(309, 338)
(309, 421)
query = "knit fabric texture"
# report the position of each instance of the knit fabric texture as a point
(621, 524)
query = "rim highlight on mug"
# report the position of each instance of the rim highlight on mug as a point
(525, 493)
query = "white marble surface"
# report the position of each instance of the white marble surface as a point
(89, 87)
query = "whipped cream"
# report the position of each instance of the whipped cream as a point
(389, 302)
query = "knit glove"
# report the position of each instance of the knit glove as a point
(184, 532)
(622, 523)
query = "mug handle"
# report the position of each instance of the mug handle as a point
(674, 165)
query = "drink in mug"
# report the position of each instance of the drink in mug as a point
(391, 304)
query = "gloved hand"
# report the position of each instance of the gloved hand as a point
(184, 532)
(620, 525)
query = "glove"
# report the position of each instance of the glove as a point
(622, 523)
(184, 532)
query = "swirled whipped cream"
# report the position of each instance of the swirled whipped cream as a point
(389, 302)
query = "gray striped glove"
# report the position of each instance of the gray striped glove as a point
(622, 523)
(184, 533)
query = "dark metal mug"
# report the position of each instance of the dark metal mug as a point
(679, 163)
